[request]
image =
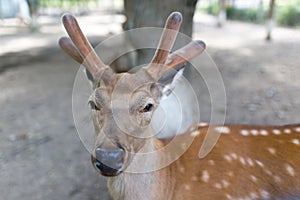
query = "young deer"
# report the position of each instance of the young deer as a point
(247, 162)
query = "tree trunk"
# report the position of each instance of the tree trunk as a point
(271, 20)
(33, 7)
(260, 11)
(153, 13)
(222, 13)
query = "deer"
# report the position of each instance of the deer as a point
(246, 162)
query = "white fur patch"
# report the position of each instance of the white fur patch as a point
(222, 129)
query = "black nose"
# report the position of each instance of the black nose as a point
(109, 162)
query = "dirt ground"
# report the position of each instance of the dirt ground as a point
(41, 155)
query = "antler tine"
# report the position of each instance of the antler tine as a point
(167, 39)
(186, 53)
(67, 45)
(94, 64)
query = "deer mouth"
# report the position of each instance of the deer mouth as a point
(109, 163)
(104, 169)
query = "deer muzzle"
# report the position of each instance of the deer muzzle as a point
(109, 162)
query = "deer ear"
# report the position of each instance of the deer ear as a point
(167, 83)
(89, 76)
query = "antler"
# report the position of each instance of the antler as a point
(166, 43)
(82, 51)
(186, 53)
(162, 61)
(168, 38)
(68, 46)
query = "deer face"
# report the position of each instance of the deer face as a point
(121, 117)
(122, 104)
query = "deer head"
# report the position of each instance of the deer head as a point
(122, 104)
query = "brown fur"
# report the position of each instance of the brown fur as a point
(241, 177)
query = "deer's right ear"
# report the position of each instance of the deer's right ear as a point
(167, 83)
(89, 76)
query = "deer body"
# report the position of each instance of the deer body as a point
(247, 162)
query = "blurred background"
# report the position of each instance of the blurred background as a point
(255, 45)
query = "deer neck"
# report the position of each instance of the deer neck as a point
(156, 184)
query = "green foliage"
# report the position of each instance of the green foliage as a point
(212, 9)
(289, 15)
(63, 3)
(233, 13)
(246, 14)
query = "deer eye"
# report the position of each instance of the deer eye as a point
(148, 107)
(93, 105)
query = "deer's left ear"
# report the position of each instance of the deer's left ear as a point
(167, 83)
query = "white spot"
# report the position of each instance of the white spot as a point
(230, 173)
(276, 131)
(263, 132)
(228, 158)
(253, 195)
(290, 170)
(228, 196)
(250, 162)
(183, 145)
(222, 129)
(277, 179)
(244, 132)
(259, 163)
(254, 132)
(297, 129)
(296, 141)
(264, 194)
(253, 178)
(181, 169)
(234, 156)
(211, 162)
(268, 172)
(218, 185)
(187, 187)
(242, 160)
(194, 178)
(225, 183)
(195, 133)
(205, 176)
(287, 131)
(201, 124)
(272, 151)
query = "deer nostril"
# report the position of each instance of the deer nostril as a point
(109, 162)
(97, 164)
